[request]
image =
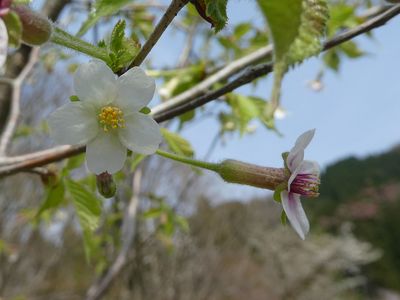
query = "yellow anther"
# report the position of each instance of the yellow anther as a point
(111, 117)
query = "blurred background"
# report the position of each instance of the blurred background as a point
(194, 236)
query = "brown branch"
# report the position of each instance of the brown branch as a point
(172, 11)
(60, 153)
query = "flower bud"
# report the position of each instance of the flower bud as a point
(243, 173)
(36, 28)
(106, 185)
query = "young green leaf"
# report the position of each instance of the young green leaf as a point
(86, 204)
(54, 197)
(117, 36)
(213, 11)
(121, 49)
(216, 10)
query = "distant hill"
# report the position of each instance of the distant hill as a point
(366, 193)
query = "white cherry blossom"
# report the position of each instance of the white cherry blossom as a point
(107, 118)
(304, 180)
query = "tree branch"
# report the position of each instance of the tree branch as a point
(172, 11)
(15, 164)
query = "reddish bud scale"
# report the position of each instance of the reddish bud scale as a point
(36, 28)
(243, 173)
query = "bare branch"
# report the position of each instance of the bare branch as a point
(98, 289)
(51, 155)
(16, 85)
(172, 11)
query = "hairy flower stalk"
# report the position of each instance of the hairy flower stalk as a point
(235, 171)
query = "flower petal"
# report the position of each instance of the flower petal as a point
(73, 123)
(141, 134)
(295, 213)
(3, 43)
(309, 167)
(296, 155)
(305, 167)
(95, 82)
(135, 90)
(105, 153)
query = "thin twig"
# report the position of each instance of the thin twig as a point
(187, 50)
(252, 73)
(16, 85)
(98, 289)
(224, 73)
(172, 11)
(375, 22)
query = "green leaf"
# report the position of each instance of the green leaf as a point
(86, 204)
(122, 50)
(176, 143)
(14, 28)
(102, 8)
(244, 108)
(54, 197)
(296, 27)
(117, 36)
(216, 11)
(351, 50)
(213, 11)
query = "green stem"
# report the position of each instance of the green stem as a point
(189, 161)
(65, 39)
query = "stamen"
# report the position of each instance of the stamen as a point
(306, 185)
(111, 117)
